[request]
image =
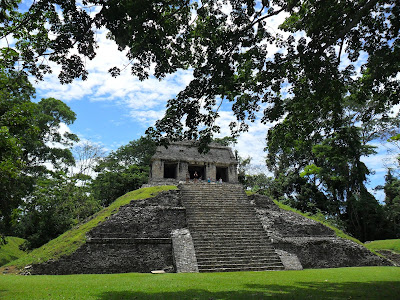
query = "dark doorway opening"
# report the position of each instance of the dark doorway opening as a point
(200, 171)
(222, 173)
(170, 170)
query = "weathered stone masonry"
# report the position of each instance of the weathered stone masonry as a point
(180, 159)
(315, 245)
(135, 239)
(153, 234)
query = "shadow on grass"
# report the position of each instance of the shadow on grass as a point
(303, 290)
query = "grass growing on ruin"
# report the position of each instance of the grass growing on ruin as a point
(319, 219)
(337, 231)
(392, 245)
(10, 251)
(70, 241)
(342, 283)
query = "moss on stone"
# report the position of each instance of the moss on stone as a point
(70, 241)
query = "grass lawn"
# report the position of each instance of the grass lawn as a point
(342, 283)
(11, 251)
(392, 245)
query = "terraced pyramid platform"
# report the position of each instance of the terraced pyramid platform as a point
(227, 234)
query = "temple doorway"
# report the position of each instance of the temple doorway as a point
(170, 170)
(199, 169)
(222, 173)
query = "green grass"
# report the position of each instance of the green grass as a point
(342, 283)
(11, 251)
(337, 231)
(392, 245)
(70, 241)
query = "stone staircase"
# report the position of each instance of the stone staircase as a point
(227, 235)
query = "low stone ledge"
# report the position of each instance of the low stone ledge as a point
(183, 251)
(289, 260)
(115, 240)
(328, 252)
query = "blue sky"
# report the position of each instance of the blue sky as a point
(113, 111)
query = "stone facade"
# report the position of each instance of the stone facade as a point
(184, 253)
(135, 239)
(315, 245)
(182, 159)
(152, 234)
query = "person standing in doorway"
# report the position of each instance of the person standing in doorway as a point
(196, 176)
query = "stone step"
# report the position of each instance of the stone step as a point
(240, 268)
(227, 235)
(256, 249)
(248, 262)
(223, 235)
(240, 256)
(197, 216)
(234, 241)
(225, 264)
(216, 229)
(206, 227)
(221, 214)
(214, 209)
(205, 231)
(235, 221)
(211, 206)
(217, 216)
(243, 219)
(213, 230)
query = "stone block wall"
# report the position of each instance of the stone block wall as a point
(314, 244)
(105, 258)
(157, 169)
(184, 254)
(232, 174)
(135, 239)
(211, 172)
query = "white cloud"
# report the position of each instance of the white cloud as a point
(251, 143)
(137, 96)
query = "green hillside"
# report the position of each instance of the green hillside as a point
(70, 241)
(10, 251)
(392, 245)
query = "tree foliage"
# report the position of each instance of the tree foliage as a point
(392, 202)
(331, 51)
(29, 138)
(328, 83)
(56, 204)
(123, 170)
(49, 31)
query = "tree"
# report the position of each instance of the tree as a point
(337, 64)
(44, 36)
(29, 138)
(392, 202)
(87, 156)
(227, 44)
(123, 170)
(56, 204)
